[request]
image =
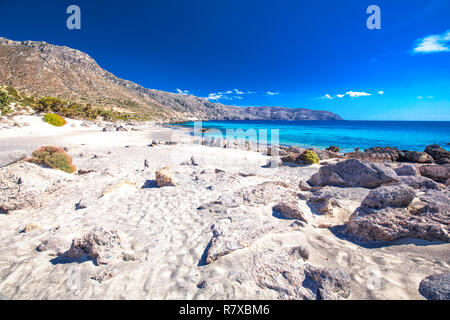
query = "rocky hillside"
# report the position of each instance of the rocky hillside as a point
(42, 69)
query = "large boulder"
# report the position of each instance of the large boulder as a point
(436, 287)
(389, 214)
(24, 186)
(417, 157)
(407, 170)
(9, 157)
(439, 154)
(103, 246)
(290, 210)
(354, 173)
(419, 182)
(439, 173)
(396, 196)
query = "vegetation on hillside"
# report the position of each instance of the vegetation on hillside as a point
(5, 100)
(53, 157)
(76, 110)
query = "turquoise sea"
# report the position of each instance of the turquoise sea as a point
(405, 135)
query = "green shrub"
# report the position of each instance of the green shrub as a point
(54, 157)
(54, 119)
(5, 100)
(309, 157)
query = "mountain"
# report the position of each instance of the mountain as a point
(43, 69)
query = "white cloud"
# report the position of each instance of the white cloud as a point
(269, 93)
(238, 91)
(214, 96)
(354, 94)
(428, 97)
(433, 43)
(182, 91)
(380, 92)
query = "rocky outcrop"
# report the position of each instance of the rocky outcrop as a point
(165, 178)
(239, 231)
(436, 287)
(389, 213)
(24, 186)
(354, 173)
(285, 273)
(440, 155)
(103, 246)
(290, 210)
(439, 173)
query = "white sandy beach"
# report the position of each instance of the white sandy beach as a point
(166, 230)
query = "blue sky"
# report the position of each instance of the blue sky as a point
(312, 54)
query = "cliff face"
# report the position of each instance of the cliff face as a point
(43, 69)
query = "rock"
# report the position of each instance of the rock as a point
(436, 203)
(285, 273)
(381, 216)
(238, 232)
(292, 158)
(396, 196)
(108, 129)
(146, 163)
(354, 173)
(164, 178)
(303, 186)
(407, 170)
(300, 251)
(121, 128)
(334, 149)
(322, 203)
(274, 163)
(289, 210)
(104, 275)
(83, 204)
(376, 154)
(417, 157)
(327, 154)
(202, 284)
(436, 287)
(56, 245)
(332, 284)
(24, 186)
(73, 125)
(9, 157)
(30, 227)
(419, 182)
(194, 161)
(439, 173)
(440, 155)
(85, 124)
(101, 245)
